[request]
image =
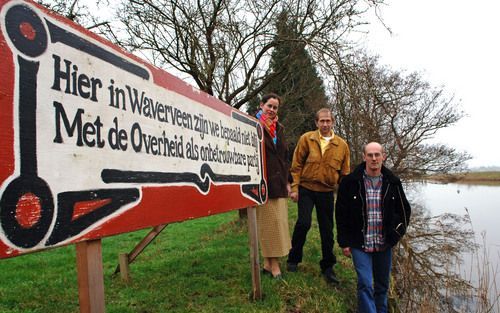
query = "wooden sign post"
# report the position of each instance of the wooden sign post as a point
(254, 253)
(96, 142)
(90, 276)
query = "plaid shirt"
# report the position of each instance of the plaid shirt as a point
(374, 237)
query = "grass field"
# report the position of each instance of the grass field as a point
(482, 176)
(199, 265)
(489, 178)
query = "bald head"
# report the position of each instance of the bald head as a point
(374, 156)
(373, 145)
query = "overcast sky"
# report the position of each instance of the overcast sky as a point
(455, 44)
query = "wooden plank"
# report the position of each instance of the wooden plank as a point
(90, 276)
(254, 253)
(145, 242)
(142, 245)
(123, 267)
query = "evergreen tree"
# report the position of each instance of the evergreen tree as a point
(297, 82)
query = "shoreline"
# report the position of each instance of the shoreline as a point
(479, 178)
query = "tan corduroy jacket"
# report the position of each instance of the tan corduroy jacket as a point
(318, 172)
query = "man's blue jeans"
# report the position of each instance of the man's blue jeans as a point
(373, 270)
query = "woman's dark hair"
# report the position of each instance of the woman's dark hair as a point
(270, 95)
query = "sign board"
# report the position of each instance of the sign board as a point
(95, 142)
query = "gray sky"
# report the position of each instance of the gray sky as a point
(455, 44)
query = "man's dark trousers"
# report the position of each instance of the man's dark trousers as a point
(323, 201)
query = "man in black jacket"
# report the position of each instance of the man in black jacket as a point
(372, 215)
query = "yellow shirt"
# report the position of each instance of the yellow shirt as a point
(324, 141)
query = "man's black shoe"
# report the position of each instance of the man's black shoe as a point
(291, 267)
(330, 277)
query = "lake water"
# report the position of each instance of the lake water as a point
(483, 205)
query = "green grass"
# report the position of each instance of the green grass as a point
(200, 265)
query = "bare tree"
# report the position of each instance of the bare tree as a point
(402, 111)
(225, 45)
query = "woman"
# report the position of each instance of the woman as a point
(272, 217)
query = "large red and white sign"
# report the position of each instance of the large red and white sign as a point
(96, 142)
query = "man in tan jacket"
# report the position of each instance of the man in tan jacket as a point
(319, 160)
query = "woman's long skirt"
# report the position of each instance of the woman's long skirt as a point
(272, 224)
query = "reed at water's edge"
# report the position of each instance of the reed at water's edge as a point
(442, 265)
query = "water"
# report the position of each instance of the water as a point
(482, 203)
